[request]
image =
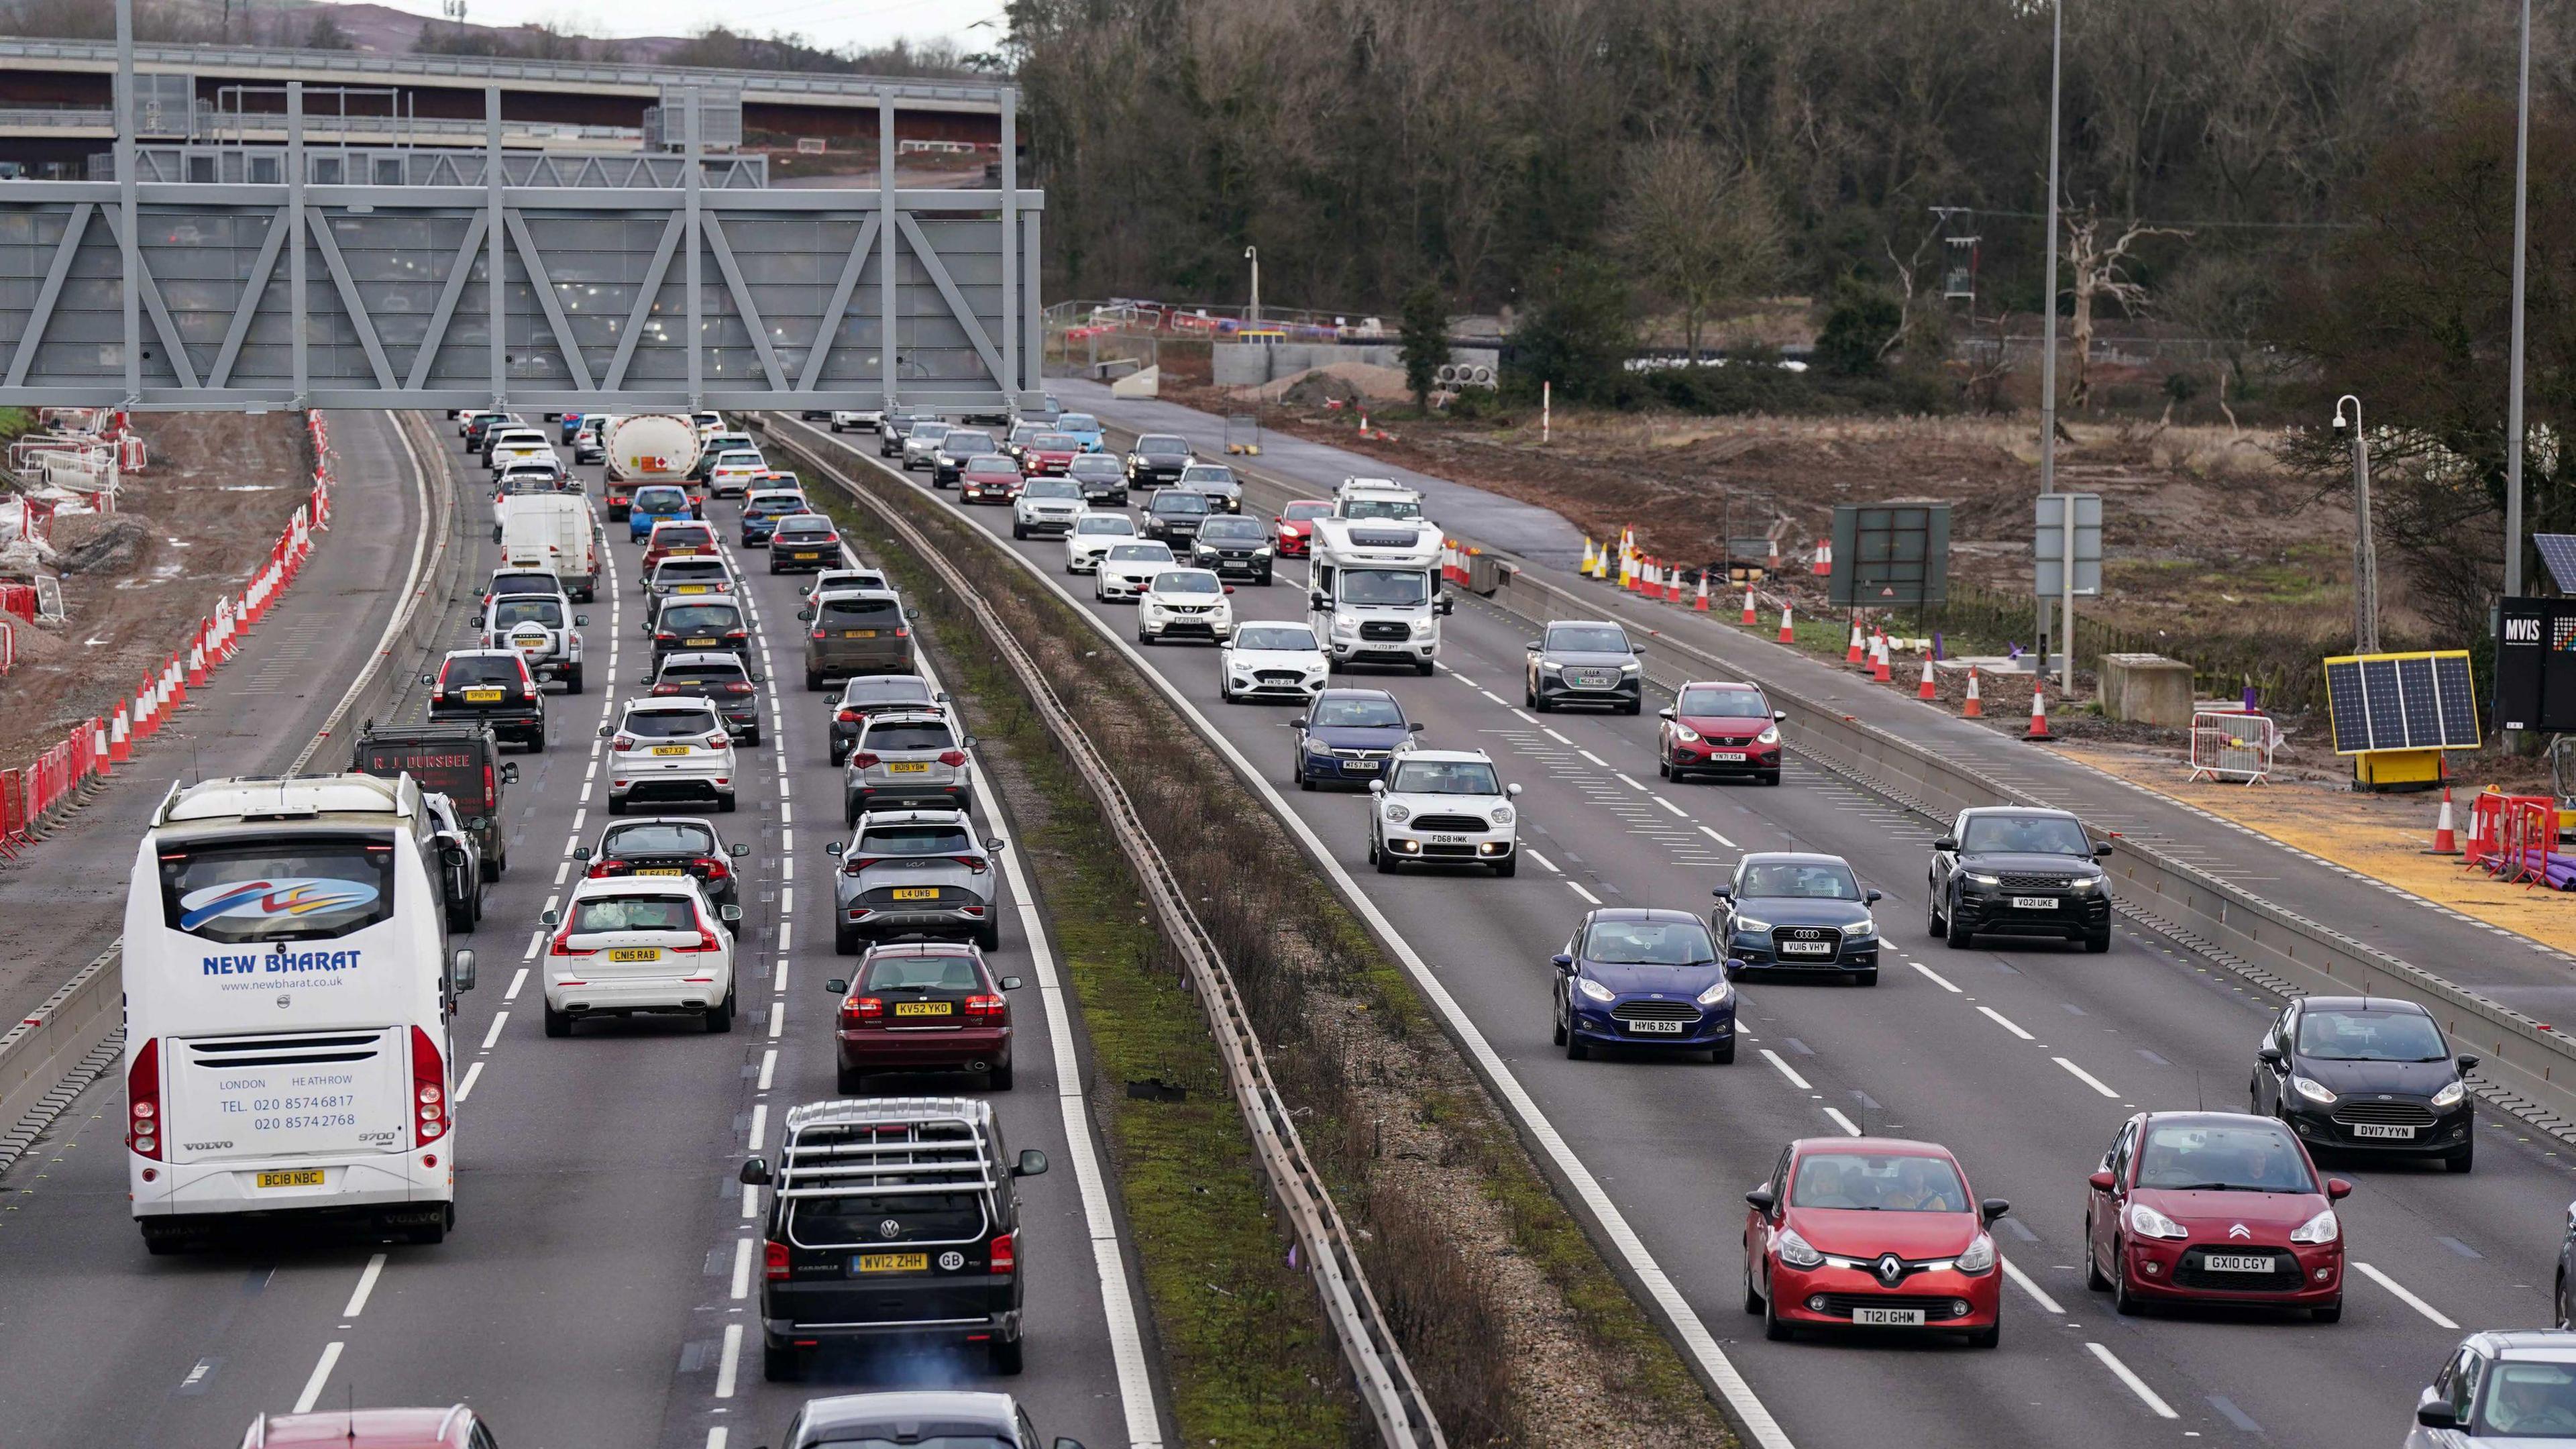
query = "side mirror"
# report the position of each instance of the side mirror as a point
(2468, 1063)
(838, 986)
(581, 621)
(461, 971)
(729, 914)
(2337, 1189)
(1723, 893)
(1871, 897)
(581, 852)
(831, 847)
(549, 918)
(1064, 1443)
(476, 621)
(1313, 601)
(967, 743)
(1377, 787)
(1413, 729)
(1531, 646)
(1763, 1200)
(1946, 842)
(940, 698)
(912, 611)
(429, 679)
(1512, 790)
(2101, 848)
(1733, 968)
(1032, 1163)
(755, 1172)
(606, 730)
(1561, 961)
(1446, 606)
(996, 843)
(804, 614)
(1010, 983)
(756, 677)
(2271, 1056)
(2434, 1411)
(1992, 1208)
(2102, 1181)
(738, 848)
(1663, 714)
(510, 773)
(1779, 716)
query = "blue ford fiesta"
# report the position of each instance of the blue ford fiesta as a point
(1349, 736)
(1636, 977)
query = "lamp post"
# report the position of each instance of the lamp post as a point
(2513, 401)
(1253, 255)
(2365, 556)
(2048, 343)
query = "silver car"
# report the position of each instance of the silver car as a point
(915, 871)
(921, 445)
(689, 576)
(1046, 506)
(2502, 1387)
(907, 759)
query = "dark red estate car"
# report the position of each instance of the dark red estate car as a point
(924, 1006)
(2213, 1207)
(1719, 727)
(989, 478)
(1297, 526)
(1872, 1232)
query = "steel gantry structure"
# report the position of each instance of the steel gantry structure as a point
(619, 285)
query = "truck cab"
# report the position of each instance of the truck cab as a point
(1381, 499)
(1374, 592)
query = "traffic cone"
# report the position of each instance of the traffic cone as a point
(1788, 635)
(1880, 668)
(1824, 564)
(1749, 620)
(1586, 570)
(197, 662)
(1857, 652)
(2038, 711)
(101, 751)
(120, 737)
(1927, 690)
(2446, 841)
(1701, 606)
(1975, 708)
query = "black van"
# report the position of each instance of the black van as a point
(458, 760)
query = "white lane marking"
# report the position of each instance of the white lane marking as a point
(780, 977)
(2006, 1022)
(2404, 1296)
(750, 1201)
(1786, 1070)
(577, 817)
(1544, 863)
(1462, 679)
(536, 942)
(517, 980)
(1524, 716)
(1551, 734)
(786, 812)
(562, 869)
(2087, 1078)
(787, 900)
(768, 1067)
(742, 1267)
(492, 1038)
(1935, 977)
(1596, 759)
(1496, 698)
(759, 1126)
(2136, 1384)
(465, 1088)
(551, 903)
(1577, 888)
(725, 1365)
(1720, 839)
(366, 1285)
(1669, 805)
(1850, 1127)
(716, 1437)
(777, 1021)
(2024, 1282)
(784, 929)
(321, 1375)
(786, 842)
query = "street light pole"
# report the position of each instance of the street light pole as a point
(1253, 255)
(2513, 384)
(2048, 333)
(2365, 555)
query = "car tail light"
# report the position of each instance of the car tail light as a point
(622, 743)
(774, 1261)
(863, 1009)
(848, 716)
(666, 638)
(738, 688)
(855, 864)
(738, 634)
(902, 632)
(715, 868)
(864, 760)
(143, 1101)
(719, 740)
(488, 792)
(985, 1006)
(974, 863)
(1006, 1259)
(952, 758)
(706, 941)
(666, 689)
(429, 1086)
(602, 869)
(818, 633)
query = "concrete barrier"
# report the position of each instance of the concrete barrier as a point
(2148, 688)
(39, 1051)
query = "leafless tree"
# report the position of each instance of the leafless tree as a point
(2097, 269)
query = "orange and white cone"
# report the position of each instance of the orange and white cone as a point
(1824, 564)
(1975, 708)
(1749, 620)
(2446, 840)
(197, 663)
(1881, 668)
(1858, 651)
(1788, 634)
(1700, 605)
(2038, 712)
(1928, 690)
(120, 736)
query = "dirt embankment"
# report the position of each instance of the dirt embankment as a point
(198, 522)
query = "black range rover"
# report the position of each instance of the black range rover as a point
(2012, 870)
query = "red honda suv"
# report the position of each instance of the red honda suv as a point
(2213, 1207)
(1719, 727)
(1872, 1232)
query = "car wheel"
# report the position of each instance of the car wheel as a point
(572, 681)
(2462, 1160)
(1634, 706)
(460, 916)
(1769, 777)
(1508, 866)
(1383, 859)
(724, 804)
(1663, 765)
(2093, 1279)
(1932, 918)
(1372, 850)
(1954, 935)
(781, 1365)
(999, 1078)
(1006, 1356)
(1576, 1048)
(1865, 978)
(1772, 1328)
(2331, 1313)
(989, 935)
(1298, 772)
(1986, 1337)
(1017, 531)
(537, 741)
(2097, 942)
(1723, 1054)
(1539, 704)
(1426, 667)
(1555, 1023)
(1752, 1295)
(2123, 1302)
(616, 805)
(845, 940)
(720, 1015)
(2558, 1296)
(558, 1023)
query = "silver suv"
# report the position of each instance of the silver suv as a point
(907, 759)
(915, 871)
(534, 627)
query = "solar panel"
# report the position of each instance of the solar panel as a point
(2402, 702)
(2558, 550)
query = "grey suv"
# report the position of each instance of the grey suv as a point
(857, 631)
(915, 871)
(875, 694)
(1583, 662)
(907, 759)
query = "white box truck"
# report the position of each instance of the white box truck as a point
(647, 448)
(554, 532)
(1374, 592)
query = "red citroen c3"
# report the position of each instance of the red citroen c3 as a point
(1296, 526)
(1719, 727)
(1872, 1232)
(2213, 1207)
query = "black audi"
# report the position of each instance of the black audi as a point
(1790, 911)
(2366, 1074)
(2021, 872)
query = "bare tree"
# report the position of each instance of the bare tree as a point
(1700, 228)
(2098, 269)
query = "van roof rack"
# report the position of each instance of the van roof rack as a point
(893, 1147)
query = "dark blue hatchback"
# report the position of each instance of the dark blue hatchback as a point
(1349, 736)
(1637, 977)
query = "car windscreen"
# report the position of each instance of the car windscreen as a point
(721, 671)
(2257, 1157)
(1052, 488)
(667, 724)
(1107, 523)
(700, 618)
(1078, 423)
(289, 887)
(904, 735)
(2523, 1399)
(658, 837)
(694, 535)
(1186, 581)
(2369, 1036)
(1881, 1182)
(1586, 639)
(660, 500)
(480, 669)
(1800, 880)
(1180, 503)
(1349, 713)
(1300, 512)
(2024, 835)
(1054, 443)
(740, 460)
(1233, 530)
(688, 569)
(1383, 586)
(1444, 777)
(1274, 636)
(927, 431)
(1212, 474)
(915, 838)
(1096, 465)
(1158, 446)
(862, 1221)
(522, 583)
(775, 502)
(510, 613)
(1648, 943)
(966, 443)
(885, 688)
(1382, 508)
(1722, 704)
(634, 913)
(858, 614)
(1140, 553)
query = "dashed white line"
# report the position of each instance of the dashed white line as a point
(517, 980)
(1596, 759)
(2024, 1282)
(1551, 734)
(1786, 1070)
(725, 1365)
(2404, 1296)
(492, 1038)
(1720, 839)
(2136, 1384)
(536, 943)
(1577, 888)
(1669, 805)
(366, 1285)
(1524, 716)
(759, 1126)
(2006, 1022)
(321, 1375)
(1544, 862)
(2087, 1078)
(1850, 1127)
(1935, 977)
(750, 1201)
(465, 1088)
(742, 1267)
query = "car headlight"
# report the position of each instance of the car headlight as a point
(1769, 736)
(1718, 994)
(2084, 883)
(1262, 552)
(1398, 814)
(1503, 815)
(1422, 627)
(1747, 923)
(1628, 668)
(2315, 1091)
(1865, 928)
(2323, 1228)
(1346, 625)
(1685, 734)
(1983, 879)
(2451, 1095)
(1979, 1258)
(2146, 1222)
(1796, 1251)
(1594, 989)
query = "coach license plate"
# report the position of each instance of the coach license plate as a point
(2034, 903)
(921, 1008)
(1657, 1028)
(2373, 1129)
(916, 893)
(2238, 1263)
(482, 696)
(1888, 1317)
(670, 749)
(909, 767)
(636, 953)
(1806, 948)
(292, 1177)
(1731, 757)
(892, 1262)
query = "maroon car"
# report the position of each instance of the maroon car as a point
(2213, 1207)
(988, 478)
(924, 1006)
(1719, 727)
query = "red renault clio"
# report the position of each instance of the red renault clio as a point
(2213, 1207)
(1872, 1232)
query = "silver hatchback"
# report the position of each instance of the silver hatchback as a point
(915, 871)
(907, 759)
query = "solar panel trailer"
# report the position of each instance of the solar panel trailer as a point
(2396, 714)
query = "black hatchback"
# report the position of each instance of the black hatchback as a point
(2366, 1075)
(893, 1219)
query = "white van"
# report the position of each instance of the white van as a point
(287, 1000)
(1373, 592)
(555, 532)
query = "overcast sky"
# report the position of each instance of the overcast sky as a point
(829, 23)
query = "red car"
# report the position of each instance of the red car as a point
(1872, 1232)
(678, 540)
(1719, 727)
(989, 478)
(449, 1428)
(1050, 453)
(2214, 1207)
(924, 1006)
(1296, 526)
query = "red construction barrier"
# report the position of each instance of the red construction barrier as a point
(19, 599)
(2486, 828)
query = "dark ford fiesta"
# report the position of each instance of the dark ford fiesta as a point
(2363, 1074)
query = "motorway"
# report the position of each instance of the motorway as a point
(599, 1288)
(2023, 1060)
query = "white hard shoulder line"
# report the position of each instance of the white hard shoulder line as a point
(403, 611)
(1619, 1237)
